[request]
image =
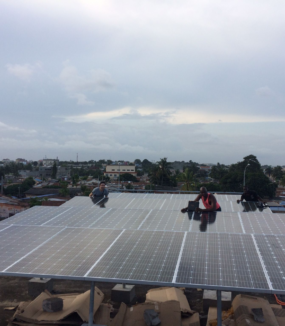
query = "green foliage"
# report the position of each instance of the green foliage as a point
(254, 176)
(35, 202)
(218, 171)
(75, 179)
(35, 163)
(64, 192)
(277, 172)
(269, 170)
(147, 165)
(13, 190)
(149, 187)
(83, 188)
(160, 174)
(54, 170)
(140, 173)
(282, 181)
(188, 178)
(137, 161)
(192, 167)
(129, 186)
(128, 177)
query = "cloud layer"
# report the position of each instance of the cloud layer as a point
(196, 80)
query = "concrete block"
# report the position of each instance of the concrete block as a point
(210, 300)
(123, 294)
(37, 285)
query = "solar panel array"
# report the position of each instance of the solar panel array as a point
(144, 238)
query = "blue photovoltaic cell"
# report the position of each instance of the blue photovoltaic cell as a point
(226, 260)
(70, 253)
(18, 241)
(141, 255)
(36, 215)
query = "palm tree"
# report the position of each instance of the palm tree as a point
(188, 177)
(164, 167)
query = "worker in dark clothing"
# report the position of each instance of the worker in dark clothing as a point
(249, 195)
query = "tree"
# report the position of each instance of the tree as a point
(282, 181)
(137, 161)
(129, 186)
(128, 177)
(54, 170)
(255, 178)
(193, 167)
(35, 202)
(218, 171)
(188, 178)
(64, 192)
(35, 163)
(164, 167)
(75, 179)
(277, 172)
(269, 170)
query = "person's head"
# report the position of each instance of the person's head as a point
(204, 192)
(102, 185)
(245, 189)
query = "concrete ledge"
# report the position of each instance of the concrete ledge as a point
(123, 294)
(210, 300)
(37, 285)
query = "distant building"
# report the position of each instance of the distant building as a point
(113, 171)
(10, 207)
(6, 161)
(21, 160)
(206, 168)
(50, 162)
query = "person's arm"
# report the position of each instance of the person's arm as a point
(240, 200)
(184, 210)
(213, 205)
(198, 198)
(106, 193)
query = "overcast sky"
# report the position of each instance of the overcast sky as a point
(200, 80)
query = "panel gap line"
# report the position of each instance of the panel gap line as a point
(144, 219)
(33, 250)
(191, 222)
(262, 263)
(6, 227)
(162, 204)
(232, 206)
(145, 195)
(241, 223)
(56, 216)
(171, 196)
(179, 258)
(104, 253)
(119, 195)
(130, 203)
(227, 198)
(100, 217)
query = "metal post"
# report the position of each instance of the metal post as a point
(124, 285)
(219, 307)
(91, 307)
(244, 175)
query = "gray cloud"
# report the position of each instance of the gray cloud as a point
(143, 79)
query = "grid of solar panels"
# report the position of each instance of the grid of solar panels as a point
(147, 240)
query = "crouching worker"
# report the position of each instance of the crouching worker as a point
(100, 191)
(209, 201)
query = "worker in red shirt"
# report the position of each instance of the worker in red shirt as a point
(209, 201)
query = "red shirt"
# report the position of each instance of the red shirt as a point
(207, 204)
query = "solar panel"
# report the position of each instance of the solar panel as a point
(259, 223)
(18, 241)
(217, 222)
(146, 239)
(272, 251)
(141, 255)
(70, 253)
(79, 201)
(36, 215)
(221, 260)
(160, 220)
